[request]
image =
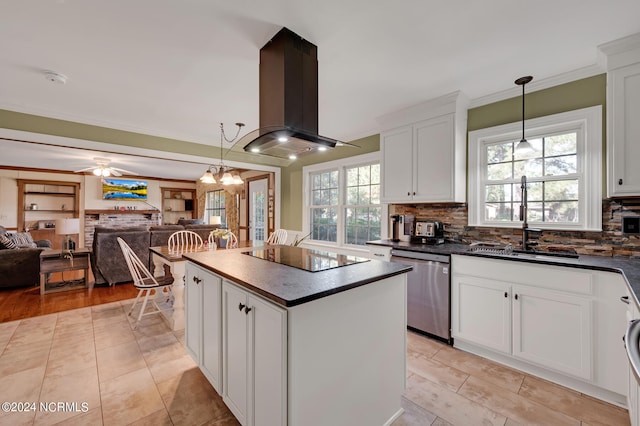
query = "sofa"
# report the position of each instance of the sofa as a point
(108, 263)
(21, 267)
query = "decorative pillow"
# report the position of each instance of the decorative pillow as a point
(6, 243)
(23, 240)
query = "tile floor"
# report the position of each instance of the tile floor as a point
(118, 376)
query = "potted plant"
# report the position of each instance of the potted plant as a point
(221, 236)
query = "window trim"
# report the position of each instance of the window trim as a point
(588, 121)
(340, 165)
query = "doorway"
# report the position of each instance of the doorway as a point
(258, 211)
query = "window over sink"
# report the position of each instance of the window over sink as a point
(564, 172)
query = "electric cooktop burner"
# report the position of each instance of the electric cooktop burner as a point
(305, 259)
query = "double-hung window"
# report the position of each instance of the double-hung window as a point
(562, 176)
(215, 205)
(343, 200)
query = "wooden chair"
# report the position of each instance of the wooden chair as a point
(146, 283)
(232, 241)
(279, 236)
(184, 241)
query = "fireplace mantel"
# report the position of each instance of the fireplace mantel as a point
(121, 211)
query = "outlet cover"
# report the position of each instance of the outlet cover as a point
(631, 224)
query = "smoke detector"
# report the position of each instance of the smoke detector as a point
(55, 77)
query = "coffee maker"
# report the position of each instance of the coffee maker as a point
(428, 231)
(401, 227)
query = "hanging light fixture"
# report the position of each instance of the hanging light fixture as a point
(523, 145)
(222, 171)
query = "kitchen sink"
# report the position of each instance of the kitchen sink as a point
(515, 253)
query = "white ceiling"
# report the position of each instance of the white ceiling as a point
(178, 68)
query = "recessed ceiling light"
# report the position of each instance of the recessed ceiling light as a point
(255, 149)
(322, 148)
(55, 77)
(283, 139)
(292, 157)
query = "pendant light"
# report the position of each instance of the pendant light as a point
(222, 171)
(524, 145)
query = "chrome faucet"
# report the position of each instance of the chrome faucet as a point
(523, 215)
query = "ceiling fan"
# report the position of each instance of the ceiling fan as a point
(102, 168)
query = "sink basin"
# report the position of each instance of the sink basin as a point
(514, 253)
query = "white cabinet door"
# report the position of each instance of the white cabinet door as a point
(553, 329)
(193, 311)
(235, 341)
(268, 356)
(433, 160)
(481, 312)
(397, 164)
(211, 364)
(255, 358)
(623, 111)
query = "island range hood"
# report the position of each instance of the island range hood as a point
(288, 100)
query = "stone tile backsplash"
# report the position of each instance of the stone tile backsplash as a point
(610, 242)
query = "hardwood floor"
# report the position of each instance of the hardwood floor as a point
(21, 303)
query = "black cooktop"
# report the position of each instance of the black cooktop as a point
(305, 259)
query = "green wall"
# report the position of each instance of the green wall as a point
(291, 201)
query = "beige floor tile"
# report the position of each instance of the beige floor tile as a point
(34, 329)
(512, 405)
(448, 405)
(6, 332)
(180, 336)
(75, 316)
(90, 418)
(65, 359)
(158, 418)
(422, 345)
(573, 403)
(73, 331)
(151, 326)
(437, 372)
(161, 348)
(129, 398)
(79, 387)
(441, 422)
(165, 370)
(113, 334)
(477, 366)
(117, 360)
(190, 399)
(227, 421)
(414, 415)
(23, 356)
(23, 386)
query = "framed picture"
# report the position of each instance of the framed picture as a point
(121, 189)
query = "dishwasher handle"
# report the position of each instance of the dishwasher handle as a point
(631, 341)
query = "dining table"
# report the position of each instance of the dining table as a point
(172, 257)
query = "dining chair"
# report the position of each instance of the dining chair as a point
(232, 240)
(184, 240)
(279, 236)
(146, 283)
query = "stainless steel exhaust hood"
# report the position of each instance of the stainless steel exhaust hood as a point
(288, 100)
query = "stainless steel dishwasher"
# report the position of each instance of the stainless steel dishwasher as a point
(428, 292)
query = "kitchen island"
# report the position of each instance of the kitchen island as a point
(287, 346)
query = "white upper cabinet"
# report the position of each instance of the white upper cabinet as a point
(621, 59)
(424, 152)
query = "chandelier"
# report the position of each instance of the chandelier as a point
(220, 173)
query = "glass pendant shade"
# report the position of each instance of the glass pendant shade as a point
(523, 146)
(207, 177)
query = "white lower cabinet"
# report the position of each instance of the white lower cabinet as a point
(633, 397)
(561, 323)
(203, 322)
(254, 344)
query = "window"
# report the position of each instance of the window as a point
(563, 173)
(343, 200)
(216, 206)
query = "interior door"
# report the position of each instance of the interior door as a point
(258, 211)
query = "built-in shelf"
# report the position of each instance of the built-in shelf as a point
(178, 203)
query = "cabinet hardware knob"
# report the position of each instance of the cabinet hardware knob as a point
(408, 193)
(619, 181)
(241, 306)
(247, 309)
(516, 297)
(196, 280)
(505, 294)
(414, 192)
(625, 299)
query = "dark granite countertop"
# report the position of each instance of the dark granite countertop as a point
(629, 267)
(288, 286)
